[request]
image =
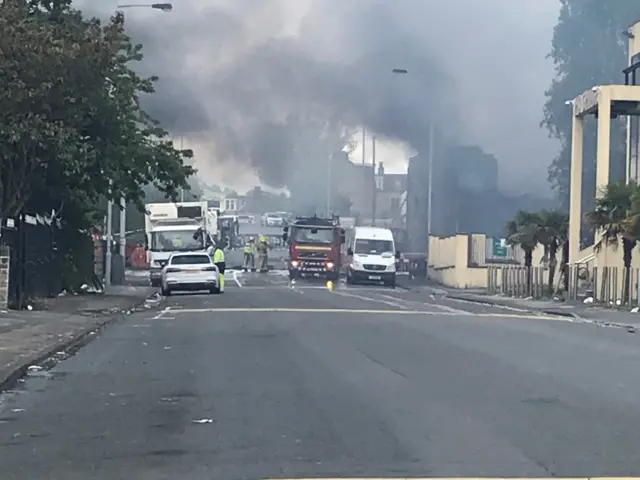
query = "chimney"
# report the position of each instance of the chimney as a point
(381, 169)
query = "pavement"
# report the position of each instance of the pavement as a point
(274, 380)
(617, 317)
(30, 336)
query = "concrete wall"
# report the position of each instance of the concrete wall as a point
(459, 261)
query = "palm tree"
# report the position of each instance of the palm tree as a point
(522, 230)
(617, 217)
(553, 226)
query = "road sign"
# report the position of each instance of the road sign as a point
(499, 247)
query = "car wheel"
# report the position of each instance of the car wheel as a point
(214, 290)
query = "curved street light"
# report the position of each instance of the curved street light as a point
(165, 7)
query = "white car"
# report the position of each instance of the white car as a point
(190, 271)
(272, 220)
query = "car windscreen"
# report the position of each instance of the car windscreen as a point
(371, 246)
(312, 235)
(191, 260)
(175, 241)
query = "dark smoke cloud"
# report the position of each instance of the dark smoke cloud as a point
(261, 80)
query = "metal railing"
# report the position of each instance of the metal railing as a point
(35, 264)
(517, 281)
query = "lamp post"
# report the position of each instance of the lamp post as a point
(403, 71)
(164, 7)
(375, 183)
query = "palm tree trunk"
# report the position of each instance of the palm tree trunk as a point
(528, 261)
(553, 263)
(627, 251)
(565, 267)
(528, 257)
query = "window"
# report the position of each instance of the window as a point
(370, 245)
(191, 260)
(230, 204)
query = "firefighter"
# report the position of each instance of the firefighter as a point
(249, 254)
(218, 260)
(263, 248)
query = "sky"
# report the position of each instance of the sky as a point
(232, 69)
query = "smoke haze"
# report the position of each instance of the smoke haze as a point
(257, 82)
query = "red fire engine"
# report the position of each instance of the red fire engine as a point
(315, 245)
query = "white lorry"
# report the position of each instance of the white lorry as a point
(177, 227)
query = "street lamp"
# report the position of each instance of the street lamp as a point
(404, 71)
(165, 7)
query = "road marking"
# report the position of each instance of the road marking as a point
(362, 297)
(161, 313)
(299, 310)
(460, 478)
(235, 279)
(441, 307)
(175, 311)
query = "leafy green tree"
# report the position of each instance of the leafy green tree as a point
(588, 49)
(72, 132)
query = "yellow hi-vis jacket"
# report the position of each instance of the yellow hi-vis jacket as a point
(218, 255)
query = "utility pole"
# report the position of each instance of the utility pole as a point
(181, 189)
(109, 241)
(430, 182)
(123, 232)
(364, 144)
(375, 184)
(329, 167)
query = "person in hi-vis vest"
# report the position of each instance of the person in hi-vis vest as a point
(249, 254)
(218, 260)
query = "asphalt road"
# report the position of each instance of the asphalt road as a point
(273, 380)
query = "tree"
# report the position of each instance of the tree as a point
(522, 230)
(588, 49)
(552, 234)
(72, 132)
(615, 219)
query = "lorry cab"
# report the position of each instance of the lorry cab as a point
(177, 227)
(371, 254)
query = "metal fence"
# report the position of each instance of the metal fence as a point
(35, 263)
(518, 281)
(605, 284)
(414, 264)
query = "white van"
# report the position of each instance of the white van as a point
(372, 256)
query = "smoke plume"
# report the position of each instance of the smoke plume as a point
(275, 84)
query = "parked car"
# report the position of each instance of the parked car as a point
(273, 219)
(190, 271)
